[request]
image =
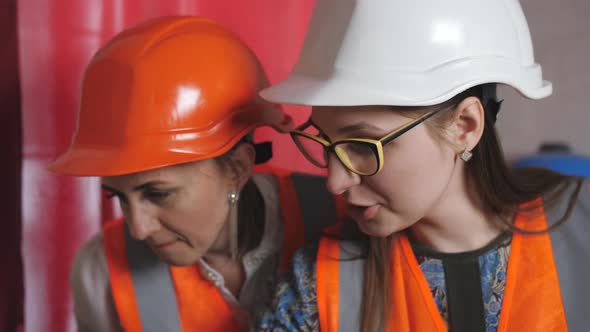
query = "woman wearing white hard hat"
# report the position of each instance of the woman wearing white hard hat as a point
(445, 235)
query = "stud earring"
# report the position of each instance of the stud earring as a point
(466, 155)
(233, 198)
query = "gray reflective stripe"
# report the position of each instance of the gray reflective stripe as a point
(350, 281)
(154, 290)
(318, 209)
(571, 252)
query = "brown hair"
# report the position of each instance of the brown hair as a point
(501, 189)
(251, 208)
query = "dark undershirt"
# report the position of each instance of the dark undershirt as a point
(458, 284)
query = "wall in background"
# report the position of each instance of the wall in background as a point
(561, 38)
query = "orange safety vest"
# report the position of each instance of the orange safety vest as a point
(150, 295)
(548, 279)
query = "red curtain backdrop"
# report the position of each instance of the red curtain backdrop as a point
(56, 40)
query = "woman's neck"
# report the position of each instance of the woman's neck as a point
(219, 258)
(459, 222)
(233, 271)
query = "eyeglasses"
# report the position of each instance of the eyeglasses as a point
(362, 156)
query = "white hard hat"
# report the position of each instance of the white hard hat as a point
(410, 53)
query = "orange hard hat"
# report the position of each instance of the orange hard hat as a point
(168, 91)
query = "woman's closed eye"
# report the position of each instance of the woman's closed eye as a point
(157, 195)
(357, 149)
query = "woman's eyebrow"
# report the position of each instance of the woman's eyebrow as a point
(356, 127)
(143, 186)
(148, 185)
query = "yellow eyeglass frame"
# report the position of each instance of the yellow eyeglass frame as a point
(376, 145)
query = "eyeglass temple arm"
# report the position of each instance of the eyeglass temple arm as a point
(391, 136)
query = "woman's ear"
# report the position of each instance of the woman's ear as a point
(467, 126)
(242, 159)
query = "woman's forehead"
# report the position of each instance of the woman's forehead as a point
(133, 179)
(333, 118)
(162, 174)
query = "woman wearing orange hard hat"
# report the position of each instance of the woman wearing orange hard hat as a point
(166, 116)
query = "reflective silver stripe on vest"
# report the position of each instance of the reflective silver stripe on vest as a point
(153, 287)
(571, 252)
(318, 208)
(351, 280)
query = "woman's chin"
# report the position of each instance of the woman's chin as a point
(374, 228)
(380, 225)
(178, 261)
(178, 257)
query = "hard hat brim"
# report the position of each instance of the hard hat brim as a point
(97, 162)
(399, 88)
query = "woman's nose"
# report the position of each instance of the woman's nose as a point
(340, 178)
(141, 222)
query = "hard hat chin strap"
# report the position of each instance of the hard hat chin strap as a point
(263, 149)
(489, 99)
(263, 152)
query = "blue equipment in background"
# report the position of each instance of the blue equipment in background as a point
(558, 157)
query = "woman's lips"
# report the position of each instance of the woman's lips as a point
(370, 212)
(165, 244)
(363, 212)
